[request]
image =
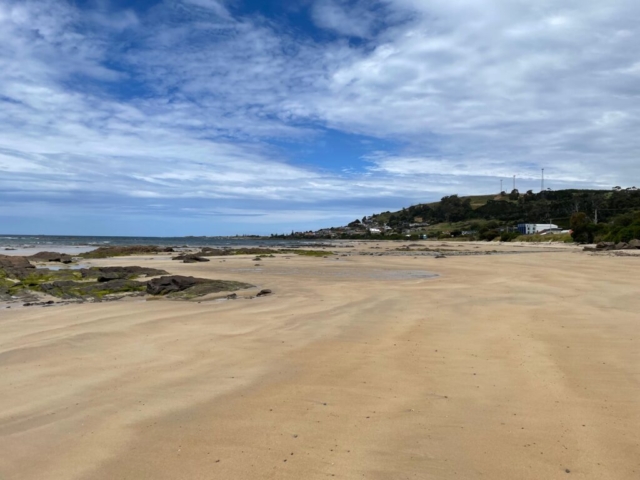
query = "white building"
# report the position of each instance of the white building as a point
(531, 228)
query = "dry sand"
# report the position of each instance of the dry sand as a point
(503, 367)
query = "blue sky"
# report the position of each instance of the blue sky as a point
(216, 117)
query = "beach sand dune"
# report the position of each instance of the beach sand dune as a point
(502, 367)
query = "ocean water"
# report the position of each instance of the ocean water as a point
(21, 241)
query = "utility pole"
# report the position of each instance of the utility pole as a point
(542, 184)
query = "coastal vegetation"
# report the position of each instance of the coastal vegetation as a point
(563, 238)
(591, 215)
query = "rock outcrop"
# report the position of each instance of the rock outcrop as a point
(51, 257)
(104, 274)
(607, 246)
(83, 290)
(634, 244)
(121, 251)
(178, 286)
(172, 283)
(191, 258)
(14, 266)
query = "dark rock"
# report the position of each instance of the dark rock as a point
(71, 289)
(440, 256)
(232, 296)
(605, 246)
(105, 274)
(264, 292)
(51, 257)
(195, 259)
(190, 258)
(15, 267)
(634, 244)
(106, 252)
(108, 276)
(177, 286)
(168, 250)
(8, 261)
(173, 283)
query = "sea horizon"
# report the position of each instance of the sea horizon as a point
(26, 241)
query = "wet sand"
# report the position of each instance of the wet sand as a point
(501, 367)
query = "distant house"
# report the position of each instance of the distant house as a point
(532, 228)
(375, 231)
(417, 220)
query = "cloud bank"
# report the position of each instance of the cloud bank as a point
(206, 117)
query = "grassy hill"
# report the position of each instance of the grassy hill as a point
(453, 213)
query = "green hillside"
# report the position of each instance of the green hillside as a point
(555, 206)
(604, 210)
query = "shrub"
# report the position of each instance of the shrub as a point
(489, 235)
(624, 228)
(582, 228)
(509, 236)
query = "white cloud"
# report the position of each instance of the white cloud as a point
(344, 18)
(498, 80)
(217, 6)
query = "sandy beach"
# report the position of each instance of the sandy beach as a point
(501, 366)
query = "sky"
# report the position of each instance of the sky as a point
(224, 117)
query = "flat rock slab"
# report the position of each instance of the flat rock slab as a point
(191, 258)
(86, 290)
(104, 274)
(178, 286)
